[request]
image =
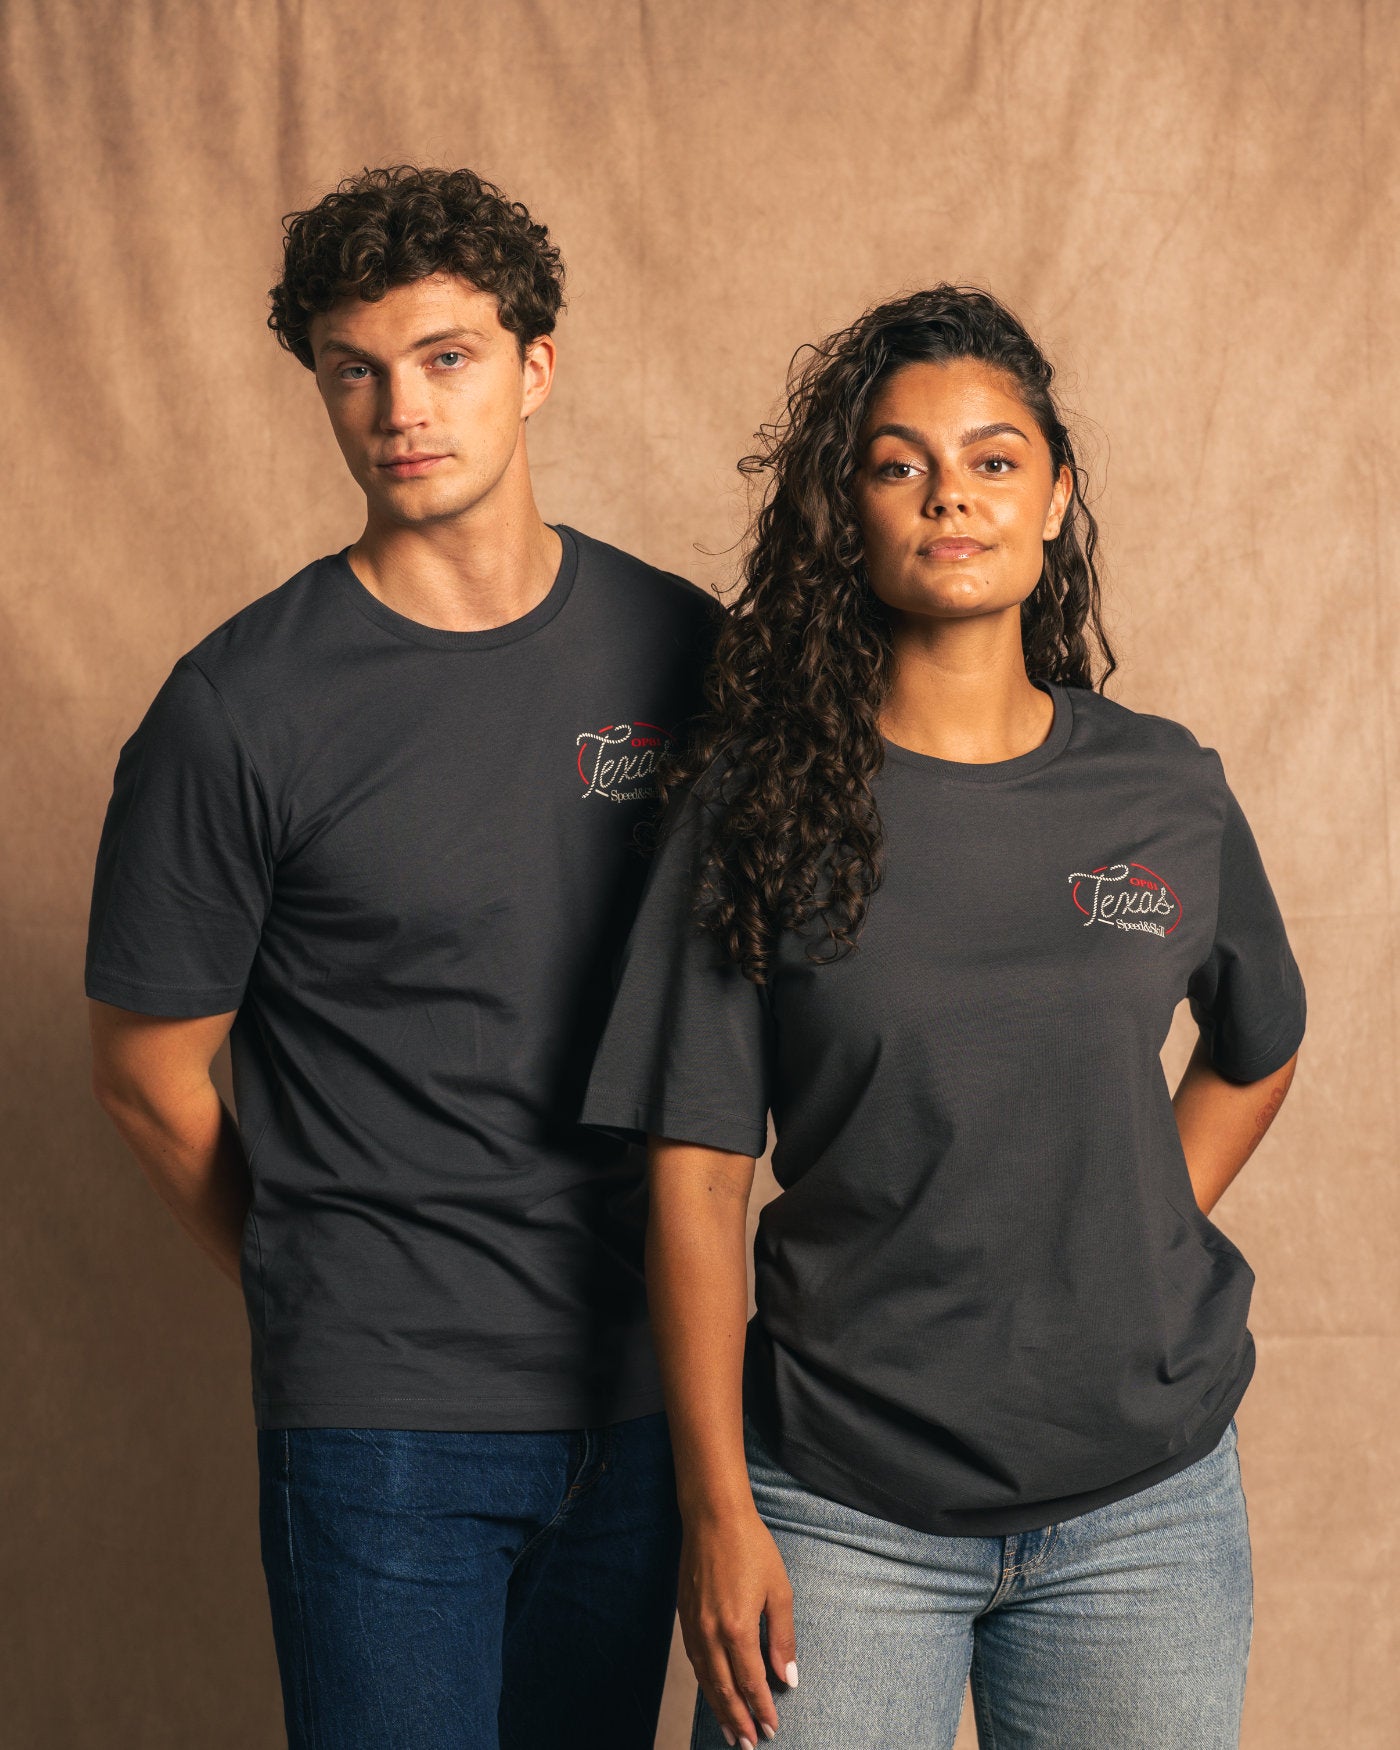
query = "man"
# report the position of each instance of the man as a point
(377, 829)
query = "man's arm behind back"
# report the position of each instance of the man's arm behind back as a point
(150, 1074)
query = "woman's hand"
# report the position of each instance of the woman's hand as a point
(731, 1574)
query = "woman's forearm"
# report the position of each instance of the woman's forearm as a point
(1222, 1122)
(697, 1292)
(731, 1574)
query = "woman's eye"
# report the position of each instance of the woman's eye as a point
(888, 470)
(1000, 464)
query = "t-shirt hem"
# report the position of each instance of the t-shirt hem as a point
(172, 1001)
(603, 1110)
(521, 1414)
(819, 1472)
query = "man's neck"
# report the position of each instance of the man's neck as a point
(471, 574)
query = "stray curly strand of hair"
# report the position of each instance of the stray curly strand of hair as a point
(399, 223)
(790, 739)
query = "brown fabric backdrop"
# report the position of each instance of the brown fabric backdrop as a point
(1196, 209)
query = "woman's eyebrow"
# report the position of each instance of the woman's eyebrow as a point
(1000, 429)
(912, 435)
(909, 433)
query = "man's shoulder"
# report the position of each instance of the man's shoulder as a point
(668, 592)
(274, 633)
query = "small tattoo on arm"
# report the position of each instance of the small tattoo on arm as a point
(1266, 1114)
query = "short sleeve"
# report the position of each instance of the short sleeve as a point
(1247, 997)
(184, 867)
(687, 1048)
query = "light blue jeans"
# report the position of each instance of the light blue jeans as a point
(1125, 1628)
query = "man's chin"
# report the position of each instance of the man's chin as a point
(409, 505)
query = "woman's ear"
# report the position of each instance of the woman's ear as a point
(1059, 503)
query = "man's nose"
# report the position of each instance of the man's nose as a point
(403, 401)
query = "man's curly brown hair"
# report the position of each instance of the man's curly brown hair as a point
(399, 223)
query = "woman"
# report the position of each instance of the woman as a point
(932, 899)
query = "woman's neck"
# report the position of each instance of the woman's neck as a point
(972, 707)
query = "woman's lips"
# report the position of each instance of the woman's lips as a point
(952, 549)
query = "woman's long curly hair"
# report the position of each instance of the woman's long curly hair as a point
(790, 740)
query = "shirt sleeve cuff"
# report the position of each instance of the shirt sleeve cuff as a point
(1258, 1064)
(635, 1120)
(169, 1001)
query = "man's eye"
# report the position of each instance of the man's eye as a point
(347, 377)
(450, 357)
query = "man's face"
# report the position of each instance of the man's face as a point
(427, 395)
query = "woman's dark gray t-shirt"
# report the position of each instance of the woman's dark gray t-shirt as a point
(987, 1298)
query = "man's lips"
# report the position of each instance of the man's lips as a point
(951, 549)
(405, 467)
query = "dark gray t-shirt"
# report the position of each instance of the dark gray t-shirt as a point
(987, 1299)
(405, 857)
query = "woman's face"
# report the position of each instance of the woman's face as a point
(955, 491)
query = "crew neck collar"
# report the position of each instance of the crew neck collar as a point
(996, 771)
(365, 602)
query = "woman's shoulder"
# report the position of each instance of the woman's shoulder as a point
(1108, 727)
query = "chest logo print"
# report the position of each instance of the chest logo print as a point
(619, 761)
(1126, 896)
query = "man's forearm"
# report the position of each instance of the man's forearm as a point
(191, 1152)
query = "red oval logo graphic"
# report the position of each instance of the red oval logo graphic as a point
(1127, 896)
(618, 762)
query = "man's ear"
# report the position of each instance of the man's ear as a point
(537, 366)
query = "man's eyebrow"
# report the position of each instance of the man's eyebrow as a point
(332, 344)
(912, 435)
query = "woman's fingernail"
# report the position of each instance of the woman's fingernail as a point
(744, 1744)
(728, 1736)
(766, 1729)
(790, 1675)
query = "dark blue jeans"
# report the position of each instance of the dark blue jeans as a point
(470, 1590)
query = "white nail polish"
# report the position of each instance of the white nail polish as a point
(728, 1736)
(790, 1675)
(766, 1729)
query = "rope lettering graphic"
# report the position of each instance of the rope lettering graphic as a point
(619, 761)
(1126, 896)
